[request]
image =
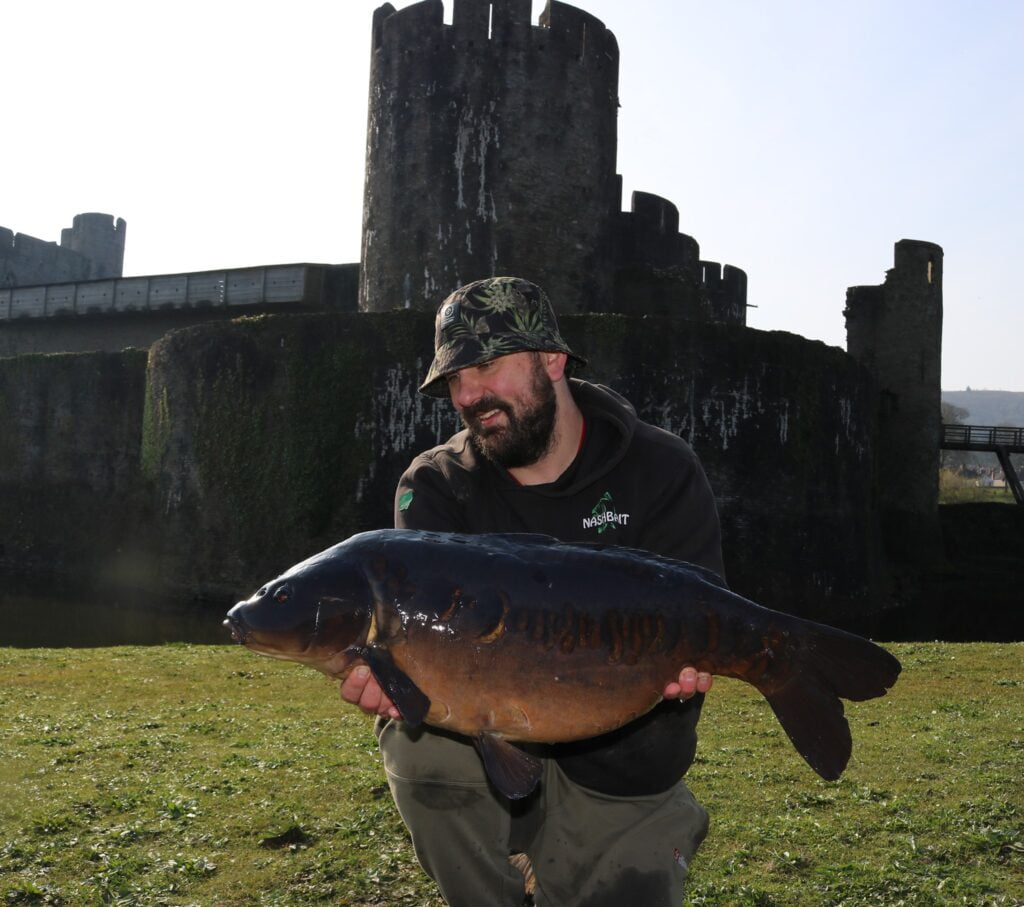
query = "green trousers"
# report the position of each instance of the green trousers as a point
(588, 849)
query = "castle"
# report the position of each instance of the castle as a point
(92, 248)
(491, 148)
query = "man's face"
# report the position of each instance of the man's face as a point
(508, 406)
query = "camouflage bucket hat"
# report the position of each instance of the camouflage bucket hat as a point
(487, 319)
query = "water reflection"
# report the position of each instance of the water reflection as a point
(29, 620)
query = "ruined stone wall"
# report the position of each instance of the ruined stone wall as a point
(491, 149)
(252, 444)
(99, 238)
(895, 330)
(783, 426)
(269, 439)
(25, 261)
(91, 249)
(72, 509)
(658, 271)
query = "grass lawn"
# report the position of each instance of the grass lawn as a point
(955, 489)
(183, 775)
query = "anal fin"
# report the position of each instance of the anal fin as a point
(408, 698)
(513, 771)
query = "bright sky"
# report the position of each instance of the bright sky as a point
(800, 139)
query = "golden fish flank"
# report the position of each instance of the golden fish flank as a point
(523, 638)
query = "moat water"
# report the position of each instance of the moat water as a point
(32, 620)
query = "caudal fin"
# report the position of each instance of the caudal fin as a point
(828, 665)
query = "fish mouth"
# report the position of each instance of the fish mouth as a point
(238, 630)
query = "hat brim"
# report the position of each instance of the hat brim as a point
(443, 366)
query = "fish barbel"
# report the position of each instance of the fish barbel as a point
(525, 638)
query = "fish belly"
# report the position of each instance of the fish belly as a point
(528, 695)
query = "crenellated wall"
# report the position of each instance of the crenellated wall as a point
(490, 150)
(726, 289)
(91, 249)
(895, 331)
(240, 447)
(257, 460)
(73, 510)
(658, 271)
(100, 239)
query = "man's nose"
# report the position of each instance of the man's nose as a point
(465, 390)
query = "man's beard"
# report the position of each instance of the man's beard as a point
(527, 436)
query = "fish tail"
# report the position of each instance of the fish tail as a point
(823, 667)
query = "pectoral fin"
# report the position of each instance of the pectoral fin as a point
(408, 698)
(513, 771)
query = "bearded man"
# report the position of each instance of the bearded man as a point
(612, 821)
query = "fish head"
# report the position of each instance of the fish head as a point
(313, 613)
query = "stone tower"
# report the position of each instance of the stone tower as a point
(100, 239)
(895, 330)
(491, 148)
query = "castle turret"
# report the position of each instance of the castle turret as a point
(895, 330)
(490, 150)
(100, 239)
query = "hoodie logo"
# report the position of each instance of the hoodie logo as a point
(604, 516)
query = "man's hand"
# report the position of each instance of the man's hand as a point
(361, 689)
(690, 681)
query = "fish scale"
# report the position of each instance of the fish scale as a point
(522, 638)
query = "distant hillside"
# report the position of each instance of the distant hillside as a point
(988, 407)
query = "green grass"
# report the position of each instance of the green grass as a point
(206, 776)
(955, 489)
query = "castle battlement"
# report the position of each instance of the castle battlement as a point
(726, 288)
(490, 150)
(100, 238)
(505, 22)
(659, 270)
(91, 249)
(895, 331)
(578, 28)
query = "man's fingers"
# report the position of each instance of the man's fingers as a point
(353, 686)
(690, 681)
(361, 688)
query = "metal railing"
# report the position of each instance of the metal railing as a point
(982, 437)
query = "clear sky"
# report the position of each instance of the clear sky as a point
(799, 140)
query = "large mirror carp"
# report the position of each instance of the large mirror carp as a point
(524, 638)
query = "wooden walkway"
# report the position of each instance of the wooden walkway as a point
(1001, 441)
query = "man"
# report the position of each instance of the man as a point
(612, 823)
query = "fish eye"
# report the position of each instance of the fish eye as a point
(282, 594)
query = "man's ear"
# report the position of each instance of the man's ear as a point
(554, 364)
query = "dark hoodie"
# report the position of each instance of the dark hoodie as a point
(632, 485)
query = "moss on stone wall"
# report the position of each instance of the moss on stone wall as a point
(257, 442)
(271, 438)
(783, 428)
(72, 506)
